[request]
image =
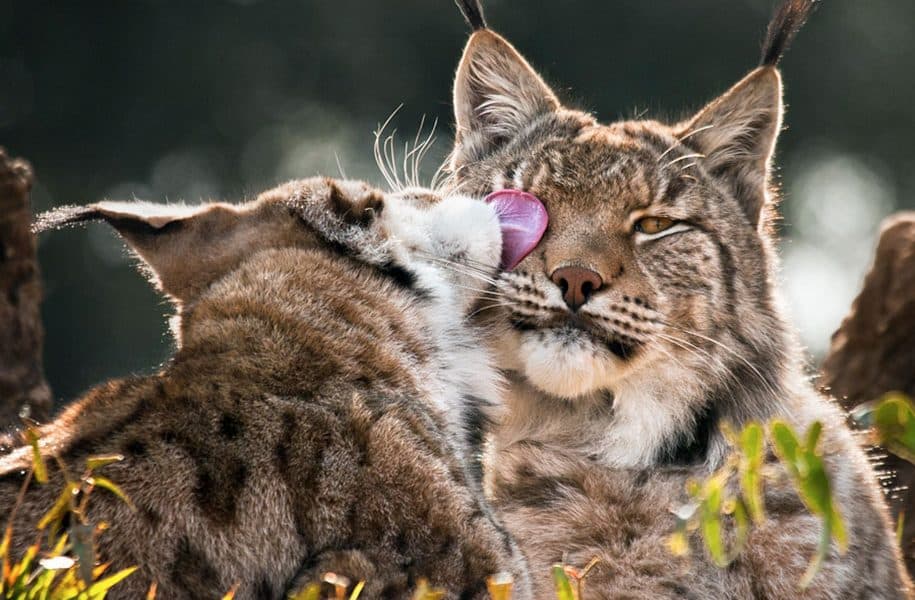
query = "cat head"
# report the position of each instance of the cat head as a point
(439, 249)
(657, 264)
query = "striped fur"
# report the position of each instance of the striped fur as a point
(322, 411)
(615, 405)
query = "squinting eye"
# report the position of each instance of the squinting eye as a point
(651, 225)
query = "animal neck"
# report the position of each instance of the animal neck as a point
(301, 322)
(657, 418)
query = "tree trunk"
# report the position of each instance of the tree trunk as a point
(23, 389)
(873, 352)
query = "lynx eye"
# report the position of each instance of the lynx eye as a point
(652, 225)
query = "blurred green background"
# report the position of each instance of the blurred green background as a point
(168, 100)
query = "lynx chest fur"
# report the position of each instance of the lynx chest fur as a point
(320, 412)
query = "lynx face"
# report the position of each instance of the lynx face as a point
(451, 243)
(656, 269)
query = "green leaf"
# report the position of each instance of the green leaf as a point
(815, 486)
(60, 507)
(822, 552)
(22, 570)
(752, 442)
(38, 466)
(786, 445)
(41, 585)
(743, 529)
(813, 435)
(357, 591)
(5, 544)
(812, 483)
(562, 584)
(101, 587)
(67, 588)
(105, 483)
(309, 592)
(97, 462)
(710, 514)
(837, 526)
(894, 425)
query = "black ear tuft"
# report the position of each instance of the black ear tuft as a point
(64, 216)
(788, 19)
(473, 12)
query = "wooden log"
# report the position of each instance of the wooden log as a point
(873, 352)
(23, 389)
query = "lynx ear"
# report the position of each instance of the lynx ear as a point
(496, 93)
(176, 242)
(737, 134)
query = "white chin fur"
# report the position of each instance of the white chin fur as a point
(564, 369)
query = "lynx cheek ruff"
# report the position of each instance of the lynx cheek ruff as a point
(523, 220)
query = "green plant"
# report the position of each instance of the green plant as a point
(890, 422)
(717, 505)
(67, 568)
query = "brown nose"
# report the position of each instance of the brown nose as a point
(577, 284)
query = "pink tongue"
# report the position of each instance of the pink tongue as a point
(523, 219)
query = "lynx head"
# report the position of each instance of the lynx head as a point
(657, 269)
(410, 236)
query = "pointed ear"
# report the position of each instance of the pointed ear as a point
(737, 134)
(175, 242)
(496, 93)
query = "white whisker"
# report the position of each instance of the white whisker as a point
(734, 353)
(682, 158)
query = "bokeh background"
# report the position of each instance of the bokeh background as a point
(217, 99)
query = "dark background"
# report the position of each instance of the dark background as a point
(190, 100)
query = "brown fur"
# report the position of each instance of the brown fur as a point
(293, 432)
(615, 405)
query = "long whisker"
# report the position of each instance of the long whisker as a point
(488, 292)
(480, 266)
(461, 269)
(380, 160)
(490, 307)
(681, 138)
(340, 166)
(391, 159)
(704, 355)
(695, 131)
(682, 158)
(734, 353)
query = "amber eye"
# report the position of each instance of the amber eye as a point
(651, 225)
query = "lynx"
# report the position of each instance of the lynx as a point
(647, 315)
(321, 412)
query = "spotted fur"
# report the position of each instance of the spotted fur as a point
(320, 413)
(615, 404)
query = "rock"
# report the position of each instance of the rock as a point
(22, 383)
(873, 352)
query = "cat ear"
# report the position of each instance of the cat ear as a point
(496, 93)
(736, 133)
(175, 242)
